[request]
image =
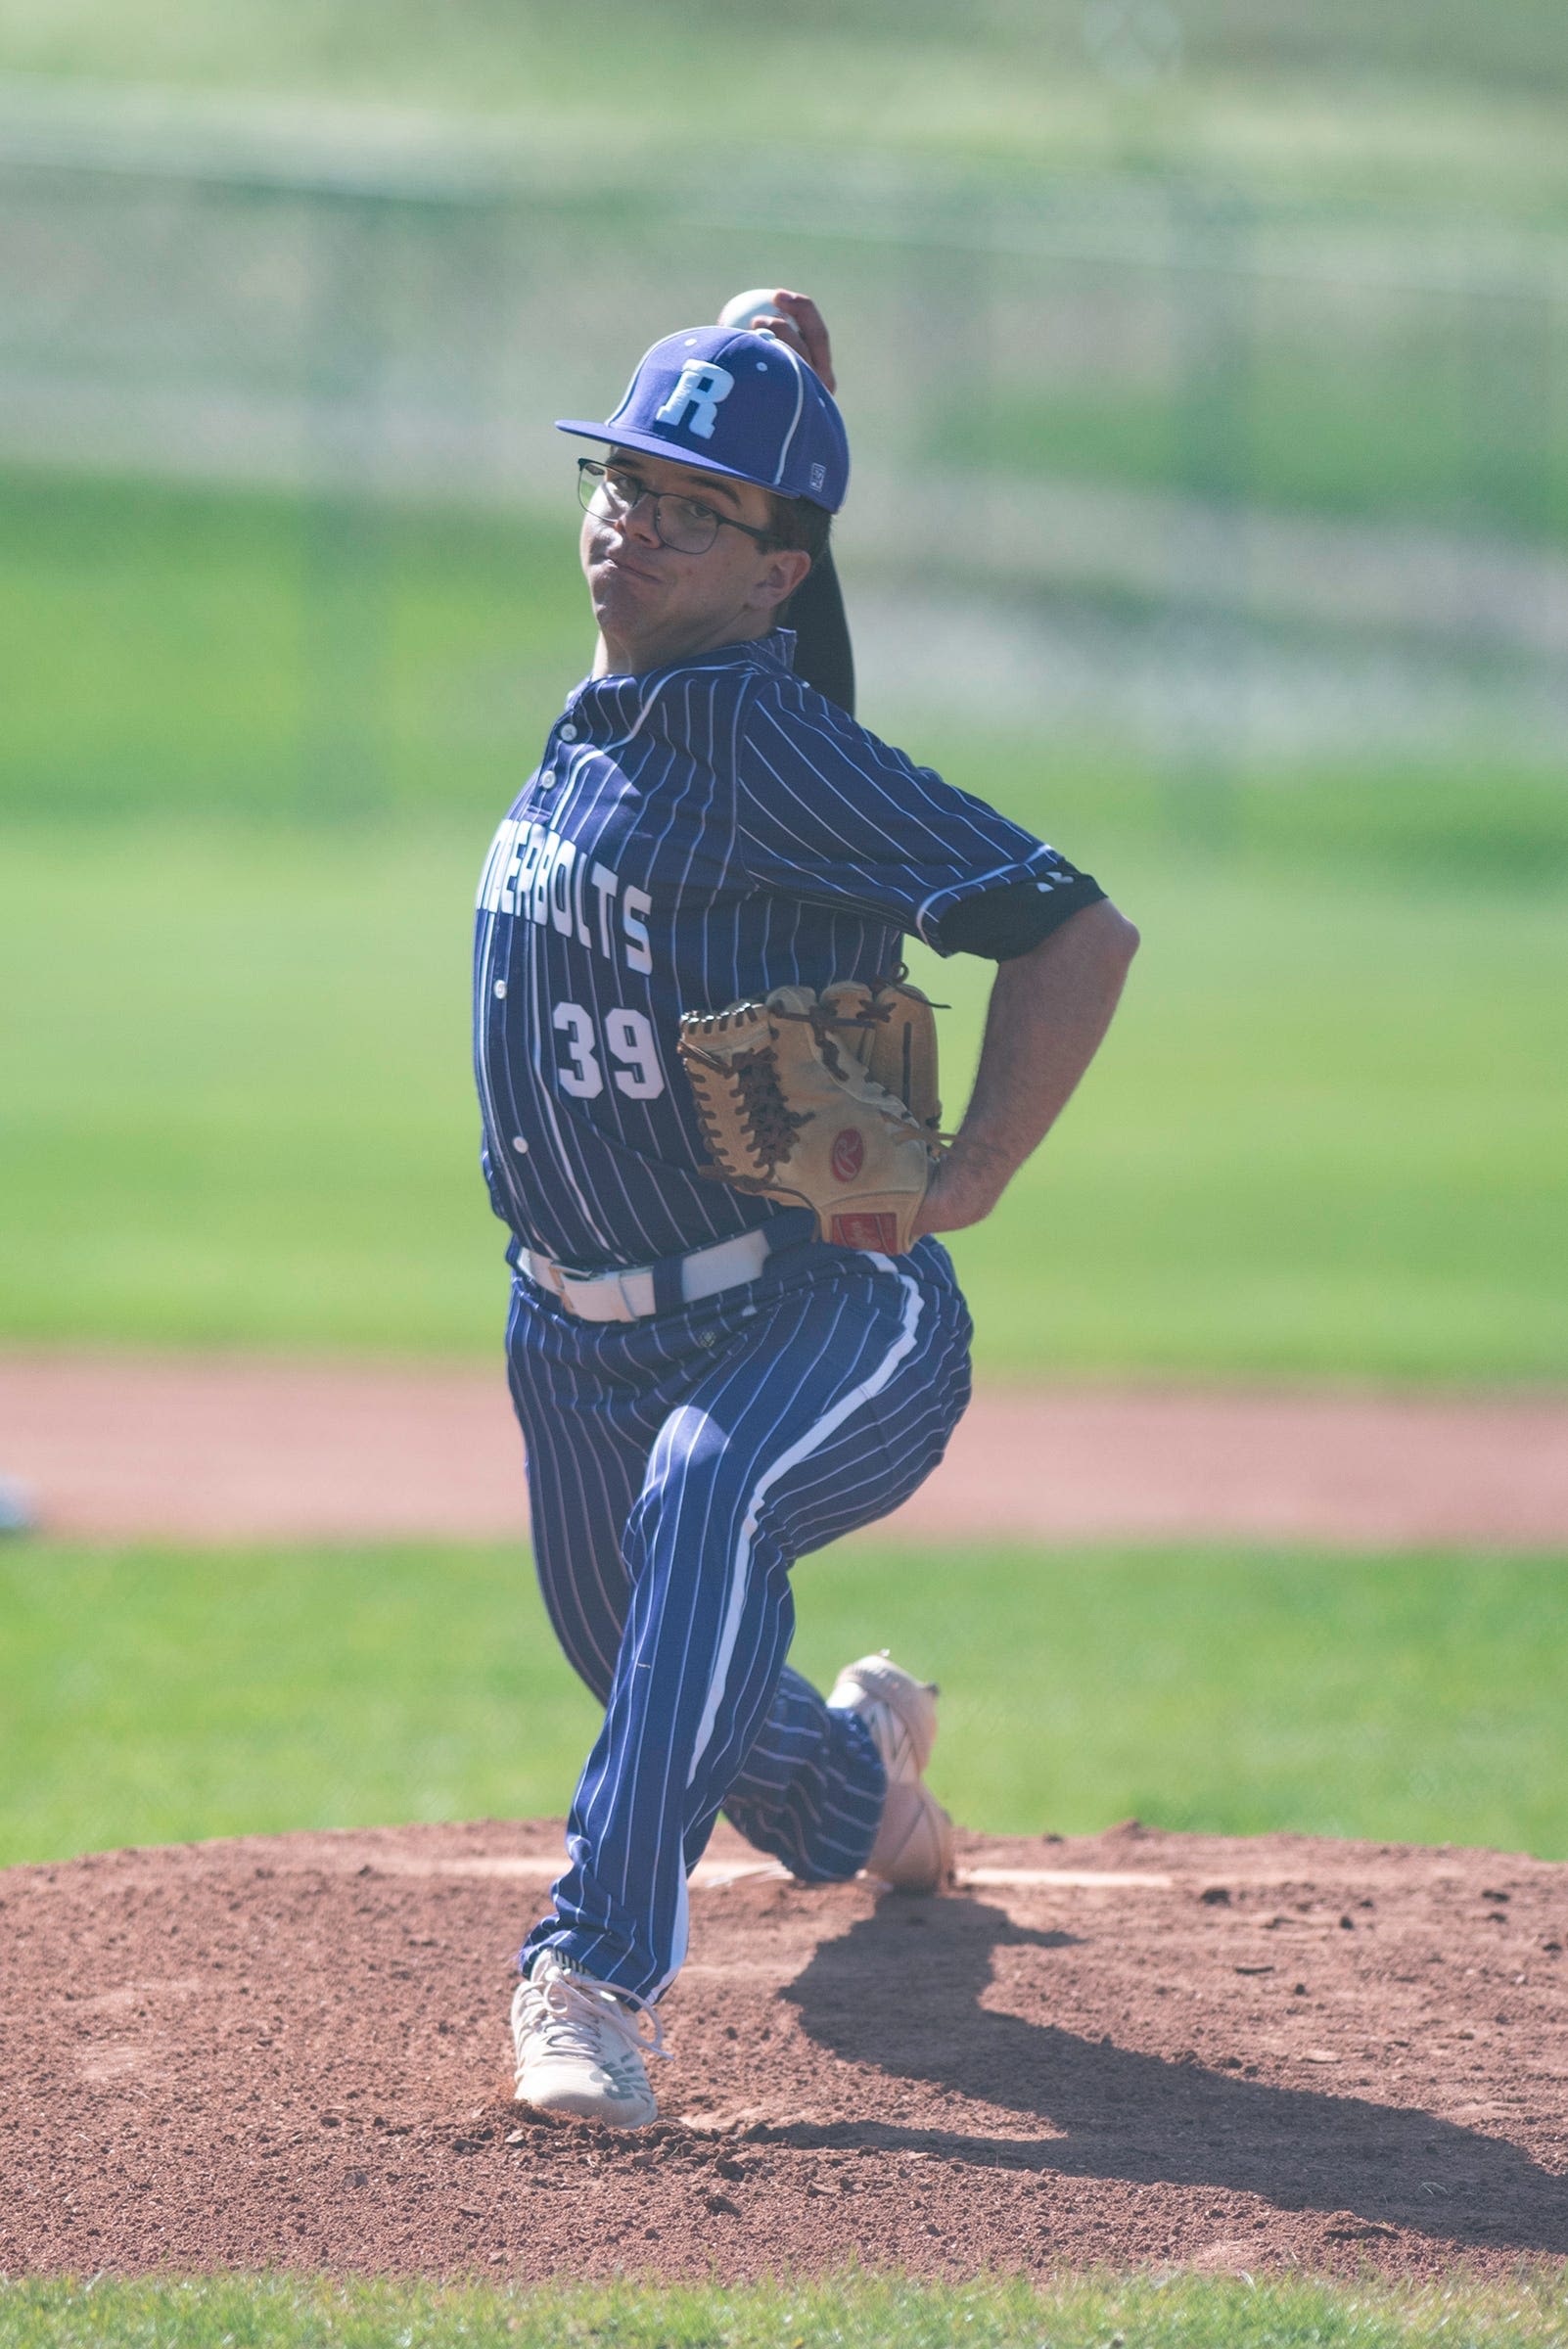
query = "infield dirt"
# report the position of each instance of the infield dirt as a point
(1133, 2048)
(224, 1449)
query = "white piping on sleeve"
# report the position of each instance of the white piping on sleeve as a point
(970, 884)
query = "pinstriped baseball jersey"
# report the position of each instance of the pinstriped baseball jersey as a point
(699, 834)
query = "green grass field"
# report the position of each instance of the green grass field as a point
(197, 653)
(1327, 1137)
(1177, 2311)
(152, 1697)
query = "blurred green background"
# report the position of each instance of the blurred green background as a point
(1209, 514)
(1204, 370)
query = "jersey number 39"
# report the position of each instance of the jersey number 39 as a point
(628, 1039)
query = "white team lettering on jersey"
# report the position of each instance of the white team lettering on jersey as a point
(634, 903)
(541, 878)
(605, 885)
(585, 1078)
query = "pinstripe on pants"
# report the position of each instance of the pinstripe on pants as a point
(677, 1466)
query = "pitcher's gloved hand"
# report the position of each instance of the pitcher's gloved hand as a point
(824, 1101)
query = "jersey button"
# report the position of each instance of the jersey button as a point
(500, 987)
(568, 732)
(520, 1145)
(548, 780)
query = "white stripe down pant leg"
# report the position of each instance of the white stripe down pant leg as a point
(677, 1467)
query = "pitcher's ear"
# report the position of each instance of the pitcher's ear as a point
(786, 567)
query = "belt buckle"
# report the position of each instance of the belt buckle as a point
(558, 1278)
(563, 1279)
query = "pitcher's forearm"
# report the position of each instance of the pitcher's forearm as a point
(1048, 1013)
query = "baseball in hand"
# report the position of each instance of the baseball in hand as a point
(796, 320)
(742, 308)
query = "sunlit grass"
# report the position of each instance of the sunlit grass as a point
(1171, 2311)
(1327, 1136)
(148, 1696)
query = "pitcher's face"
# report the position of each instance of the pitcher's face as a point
(657, 602)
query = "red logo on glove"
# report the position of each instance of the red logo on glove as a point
(848, 1154)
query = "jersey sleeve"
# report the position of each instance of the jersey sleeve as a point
(826, 811)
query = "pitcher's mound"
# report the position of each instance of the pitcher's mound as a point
(1121, 2049)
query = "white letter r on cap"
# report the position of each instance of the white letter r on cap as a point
(702, 386)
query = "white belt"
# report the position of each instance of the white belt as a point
(628, 1296)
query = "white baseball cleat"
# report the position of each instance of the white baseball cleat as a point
(579, 2047)
(914, 1847)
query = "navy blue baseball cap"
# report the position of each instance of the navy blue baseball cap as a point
(736, 403)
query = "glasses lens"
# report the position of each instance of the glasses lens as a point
(683, 524)
(594, 495)
(686, 524)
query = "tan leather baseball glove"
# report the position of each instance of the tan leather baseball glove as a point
(824, 1101)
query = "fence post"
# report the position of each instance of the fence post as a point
(1211, 472)
(344, 616)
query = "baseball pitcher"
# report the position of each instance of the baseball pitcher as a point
(710, 1126)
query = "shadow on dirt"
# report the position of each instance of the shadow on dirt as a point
(909, 2005)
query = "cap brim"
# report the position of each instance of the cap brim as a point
(652, 445)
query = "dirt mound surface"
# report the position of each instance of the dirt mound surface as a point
(1123, 2049)
(215, 1449)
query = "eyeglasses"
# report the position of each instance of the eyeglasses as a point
(683, 524)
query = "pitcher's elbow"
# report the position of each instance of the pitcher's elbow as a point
(1121, 935)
